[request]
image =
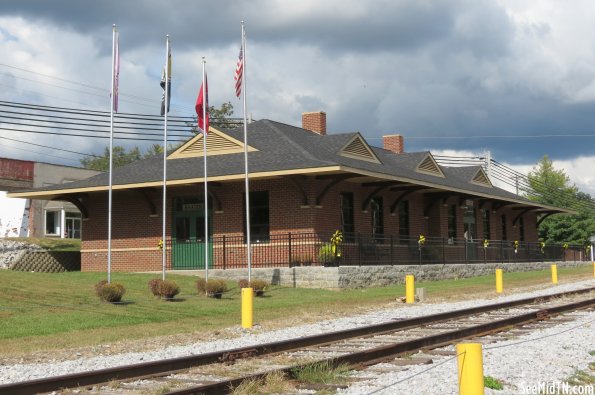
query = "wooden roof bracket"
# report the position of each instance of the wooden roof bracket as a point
(402, 196)
(525, 210)
(295, 181)
(337, 179)
(368, 199)
(143, 192)
(498, 206)
(215, 198)
(75, 200)
(435, 199)
(547, 214)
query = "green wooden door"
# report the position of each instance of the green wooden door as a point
(188, 247)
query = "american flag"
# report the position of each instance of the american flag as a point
(239, 73)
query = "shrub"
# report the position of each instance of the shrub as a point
(326, 255)
(258, 285)
(99, 286)
(168, 289)
(154, 286)
(216, 286)
(112, 292)
(201, 285)
(243, 283)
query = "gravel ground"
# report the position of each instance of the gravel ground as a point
(548, 355)
(528, 363)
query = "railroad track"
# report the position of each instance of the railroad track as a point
(217, 372)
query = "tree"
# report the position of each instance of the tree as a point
(120, 158)
(552, 187)
(220, 114)
(154, 149)
(218, 117)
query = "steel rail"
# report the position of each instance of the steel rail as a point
(382, 353)
(161, 367)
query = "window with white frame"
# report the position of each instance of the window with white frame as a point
(52, 223)
(73, 225)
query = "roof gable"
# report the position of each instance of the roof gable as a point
(428, 165)
(357, 148)
(481, 178)
(218, 143)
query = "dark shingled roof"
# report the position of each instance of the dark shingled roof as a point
(284, 147)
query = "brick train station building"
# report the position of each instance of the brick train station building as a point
(304, 185)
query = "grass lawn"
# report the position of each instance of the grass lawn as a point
(51, 244)
(45, 311)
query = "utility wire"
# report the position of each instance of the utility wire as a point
(148, 102)
(517, 180)
(47, 146)
(45, 154)
(88, 136)
(88, 124)
(139, 133)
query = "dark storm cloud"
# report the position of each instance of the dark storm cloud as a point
(437, 68)
(379, 26)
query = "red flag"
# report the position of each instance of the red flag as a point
(199, 107)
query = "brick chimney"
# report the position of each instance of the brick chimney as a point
(394, 143)
(314, 121)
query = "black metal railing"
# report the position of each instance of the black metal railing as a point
(313, 249)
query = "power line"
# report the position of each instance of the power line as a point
(78, 111)
(95, 130)
(45, 154)
(47, 146)
(86, 135)
(147, 101)
(519, 181)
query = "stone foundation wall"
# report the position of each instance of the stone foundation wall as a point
(371, 276)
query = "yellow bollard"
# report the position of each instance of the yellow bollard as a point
(554, 274)
(470, 365)
(409, 288)
(247, 307)
(499, 283)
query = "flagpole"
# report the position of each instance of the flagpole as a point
(246, 187)
(111, 148)
(204, 147)
(166, 108)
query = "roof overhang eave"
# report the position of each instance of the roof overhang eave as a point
(462, 191)
(48, 194)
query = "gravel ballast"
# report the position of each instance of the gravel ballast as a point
(529, 363)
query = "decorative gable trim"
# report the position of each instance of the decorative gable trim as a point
(429, 166)
(357, 148)
(218, 143)
(481, 178)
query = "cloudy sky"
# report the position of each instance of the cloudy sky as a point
(515, 77)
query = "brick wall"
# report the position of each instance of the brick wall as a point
(394, 143)
(136, 233)
(314, 121)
